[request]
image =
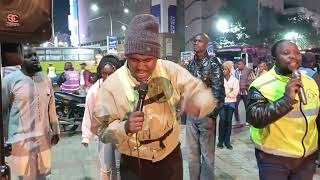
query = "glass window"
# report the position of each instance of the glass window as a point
(41, 57)
(42, 51)
(53, 51)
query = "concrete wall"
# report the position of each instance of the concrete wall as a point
(199, 18)
(277, 5)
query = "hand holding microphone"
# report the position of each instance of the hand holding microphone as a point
(135, 121)
(295, 86)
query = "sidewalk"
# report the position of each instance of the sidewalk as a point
(236, 164)
(71, 161)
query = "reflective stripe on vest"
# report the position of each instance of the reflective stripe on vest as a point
(284, 136)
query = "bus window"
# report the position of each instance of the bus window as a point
(248, 58)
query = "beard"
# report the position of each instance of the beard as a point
(32, 69)
(283, 71)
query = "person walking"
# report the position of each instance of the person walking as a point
(245, 75)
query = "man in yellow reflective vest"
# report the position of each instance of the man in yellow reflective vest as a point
(283, 129)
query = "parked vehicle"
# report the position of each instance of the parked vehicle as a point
(70, 110)
(251, 54)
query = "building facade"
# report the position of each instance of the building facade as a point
(101, 18)
(202, 16)
(191, 17)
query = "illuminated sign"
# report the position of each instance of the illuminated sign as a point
(13, 19)
(172, 13)
(112, 42)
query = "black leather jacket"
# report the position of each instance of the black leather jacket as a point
(210, 71)
(261, 112)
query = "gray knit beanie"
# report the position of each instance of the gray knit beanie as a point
(143, 36)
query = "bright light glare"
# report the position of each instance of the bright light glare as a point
(94, 7)
(291, 35)
(223, 26)
(123, 27)
(126, 10)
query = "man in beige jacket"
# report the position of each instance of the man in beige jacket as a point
(148, 140)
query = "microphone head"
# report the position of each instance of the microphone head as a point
(142, 89)
(296, 74)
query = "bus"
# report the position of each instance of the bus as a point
(57, 56)
(251, 54)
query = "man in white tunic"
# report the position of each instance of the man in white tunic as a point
(32, 122)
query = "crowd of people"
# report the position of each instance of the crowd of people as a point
(137, 143)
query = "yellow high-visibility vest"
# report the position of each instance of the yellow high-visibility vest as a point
(293, 135)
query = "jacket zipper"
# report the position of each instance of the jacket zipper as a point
(306, 132)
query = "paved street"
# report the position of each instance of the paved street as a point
(238, 163)
(71, 161)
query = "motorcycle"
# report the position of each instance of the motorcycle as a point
(70, 110)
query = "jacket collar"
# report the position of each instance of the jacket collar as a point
(280, 76)
(197, 59)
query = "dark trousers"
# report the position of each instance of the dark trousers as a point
(170, 168)
(245, 101)
(272, 167)
(225, 124)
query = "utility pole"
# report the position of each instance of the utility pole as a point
(110, 18)
(258, 16)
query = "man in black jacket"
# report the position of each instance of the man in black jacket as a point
(201, 132)
(284, 129)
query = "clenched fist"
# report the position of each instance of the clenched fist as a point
(135, 122)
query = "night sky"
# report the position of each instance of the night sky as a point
(60, 16)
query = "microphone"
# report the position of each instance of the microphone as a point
(142, 90)
(302, 96)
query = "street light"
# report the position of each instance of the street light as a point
(126, 10)
(94, 7)
(223, 26)
(291, 36)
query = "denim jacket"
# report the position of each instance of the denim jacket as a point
(209, 69)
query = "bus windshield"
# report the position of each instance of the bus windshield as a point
(229, 55)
